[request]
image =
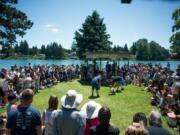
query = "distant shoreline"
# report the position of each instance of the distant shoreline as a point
(66, 58)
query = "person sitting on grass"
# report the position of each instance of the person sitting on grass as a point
(11, 102)
(96, 84)
(104, 128)
(155, 123)
(90, 110)
(47, 117)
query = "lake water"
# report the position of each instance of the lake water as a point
(9, 63)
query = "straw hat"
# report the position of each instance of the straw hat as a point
(91, 109)
(71, 100)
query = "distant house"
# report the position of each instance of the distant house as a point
(41, 54)
(73, 55)
(2, 54)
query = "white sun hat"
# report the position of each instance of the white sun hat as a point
(91, 109)
(71, 100)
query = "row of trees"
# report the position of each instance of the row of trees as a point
(145, 50)
(54, 51)
(51, 51)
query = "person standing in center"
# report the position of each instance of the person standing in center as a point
(96, 83)
(68, 120)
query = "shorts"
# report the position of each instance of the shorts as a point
(95, 86)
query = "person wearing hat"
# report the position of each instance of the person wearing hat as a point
(90, 110)
(27, 81)
(68, 120)
(104, 128)
(25, 120)
(12, 100)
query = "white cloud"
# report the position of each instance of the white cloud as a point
(54, 30)
(51, 28)
(49, 25)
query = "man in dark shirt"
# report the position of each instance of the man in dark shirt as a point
(104, 128)
(155, 123)
(25, 120)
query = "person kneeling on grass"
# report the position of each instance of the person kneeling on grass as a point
(96, 83)
(118, 82)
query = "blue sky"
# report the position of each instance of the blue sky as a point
(57, 20)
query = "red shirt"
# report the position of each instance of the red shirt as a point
(89, 124)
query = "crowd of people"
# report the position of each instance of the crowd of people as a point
(93, 119)
(36, 77)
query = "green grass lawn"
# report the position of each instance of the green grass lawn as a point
(123, 105)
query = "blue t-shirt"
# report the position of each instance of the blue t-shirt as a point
(23, 121)
(96, 79)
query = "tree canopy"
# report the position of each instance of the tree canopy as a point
(145, 50)
(13, 23)
(175, 38)
(92, 36)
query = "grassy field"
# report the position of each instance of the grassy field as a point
(123, 105)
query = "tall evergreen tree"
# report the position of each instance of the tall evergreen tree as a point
(114, 48)
(175, 38)
(24, 47)
(34, 50)
(133, 48)
(16, 48)
(54, 51)
(43, 49)
(13, 23)
(126, 48)
(92, 36)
